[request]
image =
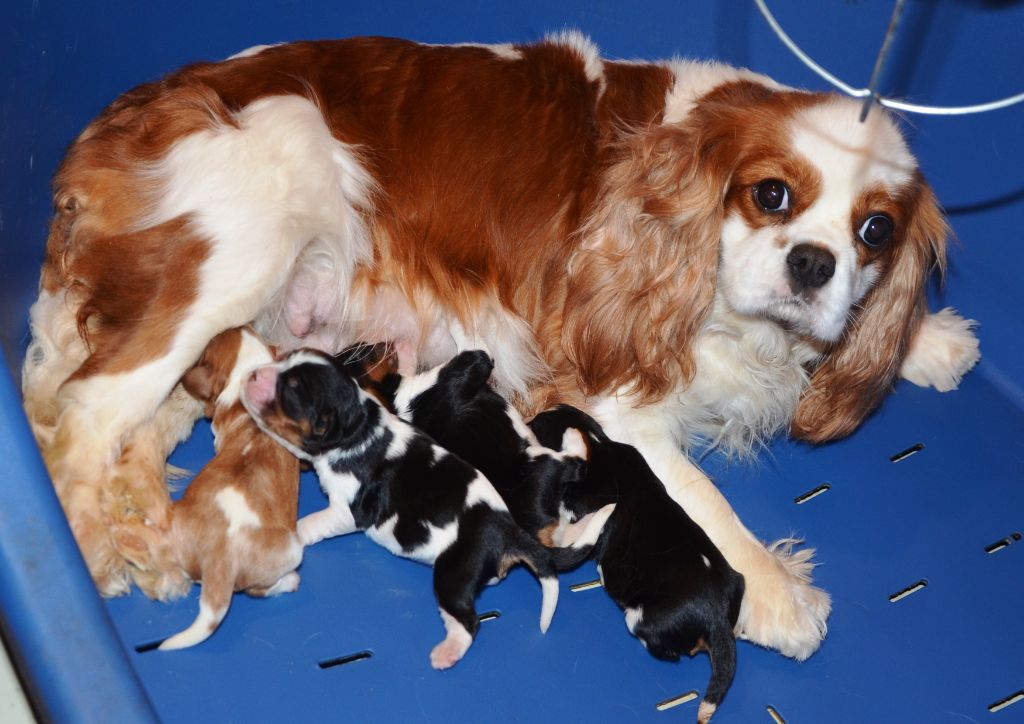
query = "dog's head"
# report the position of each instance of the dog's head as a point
(374, 367)
(216, 378)
(307, 403)
(789, 209)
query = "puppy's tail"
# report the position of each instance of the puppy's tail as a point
(721, 647)
(214, 600)
(537, 558)
(582, 537)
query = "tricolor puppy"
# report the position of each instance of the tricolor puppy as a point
(407, 493)
(455, 405)
(679, 593)
(234, 528)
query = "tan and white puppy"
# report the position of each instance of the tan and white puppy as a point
(234, 528)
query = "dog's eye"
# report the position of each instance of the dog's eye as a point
(292, 382)
(876, 230)
(772, 195)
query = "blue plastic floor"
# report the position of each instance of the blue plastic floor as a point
(946, 652)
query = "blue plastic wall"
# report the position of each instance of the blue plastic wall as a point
(944, 653)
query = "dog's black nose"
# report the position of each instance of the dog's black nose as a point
(810, 266)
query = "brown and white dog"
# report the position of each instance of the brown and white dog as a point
(685, 250)
(234, 529)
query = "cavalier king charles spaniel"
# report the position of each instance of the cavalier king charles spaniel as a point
(688, 251)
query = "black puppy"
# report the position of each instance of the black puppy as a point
(679, 594)
(455, 404)
(408, 494)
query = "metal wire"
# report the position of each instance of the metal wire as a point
(868, 92)
(883, 54)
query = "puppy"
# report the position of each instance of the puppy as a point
(234, 528)
(679, 593)
(407, 493)
(455, 405)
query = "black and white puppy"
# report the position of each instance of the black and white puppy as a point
(407, 493)
(679, 594)
(455, 404)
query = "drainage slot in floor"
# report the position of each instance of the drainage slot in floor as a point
(342, 660)
(149, 646)
(811, 494)
(900, 595)
(585, 586)
(1000, 544)
(488, 616)
(912, 450)
(775, 715)
(1008, 701)
(677, 700)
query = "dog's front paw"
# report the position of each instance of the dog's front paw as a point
(781, 609)
(944, 349)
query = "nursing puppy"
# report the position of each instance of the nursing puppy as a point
(455, 405)
(679, 593)
(407, 493)
(234, 528)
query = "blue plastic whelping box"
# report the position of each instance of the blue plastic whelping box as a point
(917, 527)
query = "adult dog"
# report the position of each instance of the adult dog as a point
(683, 249)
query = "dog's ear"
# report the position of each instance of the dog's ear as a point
(856, 374)
(199, 380)
(643, 280)
(205, 380)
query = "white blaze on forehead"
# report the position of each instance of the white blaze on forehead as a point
(252, 353)
(301, 357)
(851, 156)
(236, 509)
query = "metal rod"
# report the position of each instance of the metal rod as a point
(865, 92)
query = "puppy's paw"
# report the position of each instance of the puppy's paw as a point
(781, 609)
(446, 654)
(310, 530)
(288, 583)
(455, 645)
(944, 349)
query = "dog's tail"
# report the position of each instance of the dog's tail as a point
(537, 558)
(546, 562)
(217, 588)
(721, 647)
(581, 536)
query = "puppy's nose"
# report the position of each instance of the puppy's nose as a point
(810, 267)
(261, 386)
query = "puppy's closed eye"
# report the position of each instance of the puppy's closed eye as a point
(323, 423)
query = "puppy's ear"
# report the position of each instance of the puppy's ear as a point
(643, 280)
(857, 373)
(199, 380)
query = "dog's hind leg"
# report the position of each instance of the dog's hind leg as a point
(273, 554)
(455, 586)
